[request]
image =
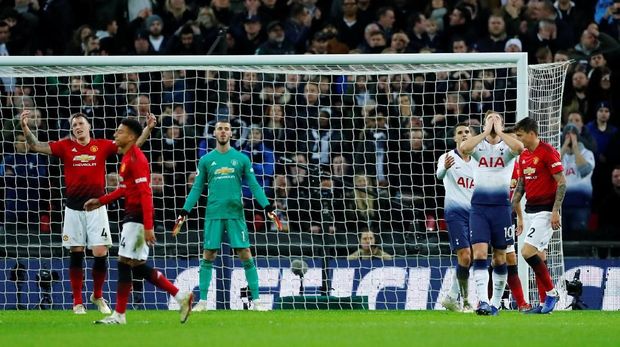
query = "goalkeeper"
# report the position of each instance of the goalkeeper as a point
(222, 170)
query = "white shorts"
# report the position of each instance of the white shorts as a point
(86, 228)
(537, 229)
(132, 244)
(510, 248)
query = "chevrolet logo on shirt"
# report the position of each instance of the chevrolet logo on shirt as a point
(84, 158)
(529, 170)
(224, 171)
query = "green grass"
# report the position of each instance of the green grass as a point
(311, 328)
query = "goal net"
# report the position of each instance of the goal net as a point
(344, 146)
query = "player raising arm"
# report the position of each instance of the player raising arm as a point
(541, 179)
(84, 171)
(490, 217)
(456, 170)
(137, 232)
(222, 170)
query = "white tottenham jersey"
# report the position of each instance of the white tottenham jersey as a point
(458, 182)
(492, 173)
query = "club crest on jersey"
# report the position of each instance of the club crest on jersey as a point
(536, 160)
(94, 148)
(491, 162)
(234, 162)
(529, 170)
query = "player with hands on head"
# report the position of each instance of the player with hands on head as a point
(222, 171)
(542, 181)
(84, 171)
(456, 170)
(137, 233)
(490, 219)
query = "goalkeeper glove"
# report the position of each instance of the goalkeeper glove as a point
(179, 222)
(270, 211)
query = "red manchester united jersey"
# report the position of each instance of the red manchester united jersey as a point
(84, 168)
(135, 187)
(537, 169)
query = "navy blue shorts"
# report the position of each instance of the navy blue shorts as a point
(490, 224)
(458, 229)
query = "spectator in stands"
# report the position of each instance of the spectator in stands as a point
(385, 20)
(592, 40)
(26, 182)
(175, 15)
(374, 40)
(608, 17)
(223, 13)
(459, 45)
(141, 45)
(496, 40)
(272, 10)
(173, 154)
(186, 40)
(576, 98)
(459, 24)
(157, 40)
(602, 86)
(36, 123)
(435, 37)
(371, 147)
(514, 17)
(251, 36)
(263, 161)
(297, 27)
(601, 130)
(578, 163)
(361, 200)
(419, 37)
(319, 43)
(279, 133)
(350, 27)
(324, 140)
(399, 43)
(91, 45)
(569, 13)
(545, 36)
(608, 215)
(276, 43)
(368, 248)
(576, 119)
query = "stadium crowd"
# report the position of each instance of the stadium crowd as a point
(337, 154)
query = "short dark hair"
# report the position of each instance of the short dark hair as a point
(133, 125)
(527, 124)
(462, 124)
(78, 115)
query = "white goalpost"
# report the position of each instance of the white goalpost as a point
(344, 145)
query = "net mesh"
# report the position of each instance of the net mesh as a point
(346, 152)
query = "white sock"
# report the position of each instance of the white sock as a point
(179, 297)
(481, 279)
(553, 292)
(499, 285)
(454, 288)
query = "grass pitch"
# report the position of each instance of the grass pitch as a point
(311, 328)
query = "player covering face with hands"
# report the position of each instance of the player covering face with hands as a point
(490, 217)
(222, 171)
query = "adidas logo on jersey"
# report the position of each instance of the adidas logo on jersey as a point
(74, 150)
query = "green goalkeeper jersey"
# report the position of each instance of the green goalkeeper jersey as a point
(223, 173)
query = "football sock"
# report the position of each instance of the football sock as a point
(251, 275)
(76, 275)
(156, 278)
(515, 285)
(462, 276)
(453, 293)
(100, 270)
(204, 275)
(541, 271)
(481, 279)
(123, 287)
(500, 274)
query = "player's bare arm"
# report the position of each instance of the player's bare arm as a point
(467, 146)
(516, 204)
(31, 139)
(151, 122)
(149, 237)
(559, 199)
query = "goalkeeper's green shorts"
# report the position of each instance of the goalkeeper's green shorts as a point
(235, 230)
